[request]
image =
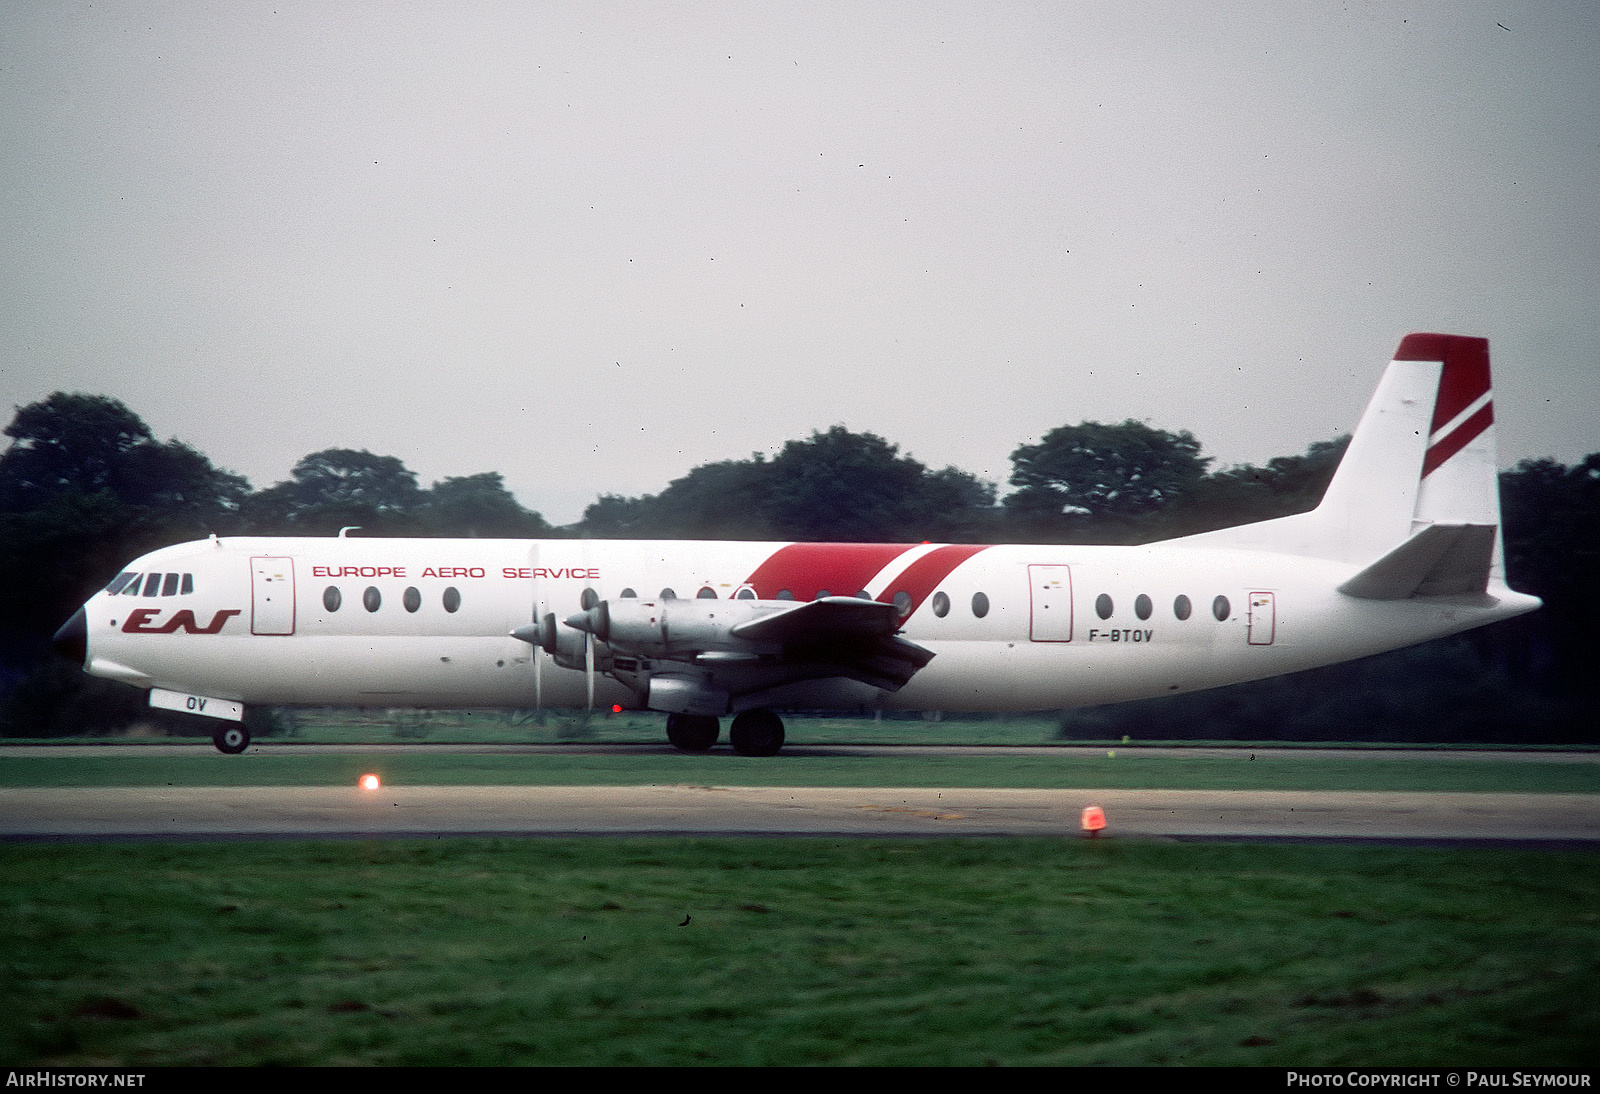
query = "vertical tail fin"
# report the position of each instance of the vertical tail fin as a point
(1423, 456)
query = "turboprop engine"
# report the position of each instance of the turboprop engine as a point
(705, 657)
(568, 648)
(678, 629)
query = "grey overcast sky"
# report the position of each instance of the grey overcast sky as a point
(592, 245)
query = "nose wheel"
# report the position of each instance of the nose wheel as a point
(232, 738)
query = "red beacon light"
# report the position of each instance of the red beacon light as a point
(1094, 819)
(368, 782)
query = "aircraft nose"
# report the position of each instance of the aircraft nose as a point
(72, 640)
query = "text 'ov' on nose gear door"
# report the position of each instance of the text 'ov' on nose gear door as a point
(1262, 622)
(271, 595)
(1050, 602)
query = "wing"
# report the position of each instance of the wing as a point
(743, 646)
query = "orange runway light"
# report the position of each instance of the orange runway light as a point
(368, 782)
(1094, 819)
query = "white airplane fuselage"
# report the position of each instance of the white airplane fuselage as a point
(1405, 546)
(1045, 640)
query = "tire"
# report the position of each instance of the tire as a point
(756, 733)
(232, 738)
(692, 732)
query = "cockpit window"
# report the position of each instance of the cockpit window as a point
(129, 583)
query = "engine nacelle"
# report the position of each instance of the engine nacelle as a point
(686, 695)
(567, 647)
(675, 628)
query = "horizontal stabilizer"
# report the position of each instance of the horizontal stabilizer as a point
(1440, 560)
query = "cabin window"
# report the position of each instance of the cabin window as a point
(668, 594)
(941, 605)
(372, 599)
(1181, 607)
(902, 603)
(1221, 608)
(785, 594)
(411, 598)
(1142, 606)
(706, 593)
(823, 594)
(980, 605)
(588, 599)
(628, 594)
(452, 599)
(1103, 606)
(332, 598)
(746, 593)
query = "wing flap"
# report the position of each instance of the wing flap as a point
(820, 620)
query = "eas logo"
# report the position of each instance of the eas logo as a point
(139, 621)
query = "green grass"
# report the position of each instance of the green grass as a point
(750, 951)
(1064, 767)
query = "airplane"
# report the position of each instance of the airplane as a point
(1405, 546)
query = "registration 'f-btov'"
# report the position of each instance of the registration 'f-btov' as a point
(1404, 547)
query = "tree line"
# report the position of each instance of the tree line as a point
(85, 486)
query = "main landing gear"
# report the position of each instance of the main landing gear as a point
(752, 733)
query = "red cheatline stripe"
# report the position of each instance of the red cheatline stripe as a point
(1463, 435)
(805, 569)
(925, 574)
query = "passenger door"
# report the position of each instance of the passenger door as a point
(271, 595)
(1050, 603)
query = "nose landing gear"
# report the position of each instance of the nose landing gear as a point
(231, 738)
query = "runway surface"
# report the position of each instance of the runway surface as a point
(281, 812)
(92, 813)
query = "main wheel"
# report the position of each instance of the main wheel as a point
(232, 738)
(692, 732)
(756, 733)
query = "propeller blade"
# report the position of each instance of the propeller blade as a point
(588, 669)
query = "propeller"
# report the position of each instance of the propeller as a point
(588, 671)
(538, 684)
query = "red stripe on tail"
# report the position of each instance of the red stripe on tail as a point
(1464, 380)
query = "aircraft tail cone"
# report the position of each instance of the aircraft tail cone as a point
(1094, 819)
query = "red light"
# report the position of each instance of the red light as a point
(1094, 819)
(368, 782)
(616, 708)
